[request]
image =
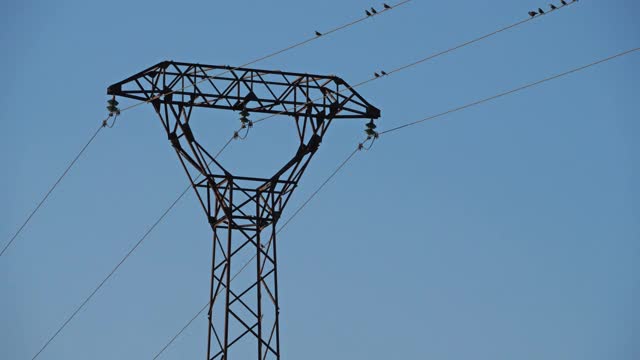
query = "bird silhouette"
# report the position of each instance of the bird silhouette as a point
(532, 13)
(318, 33)
(386, 6)
(376, 74)
(374, 11)
(553, 7)
(367, 12)
(383, 72)
(564, 3)
(540, 11)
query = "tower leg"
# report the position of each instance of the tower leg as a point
(243, 305)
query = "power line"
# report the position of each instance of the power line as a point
(344, 163)
(433, 56)
(511, 91)
(53, 187)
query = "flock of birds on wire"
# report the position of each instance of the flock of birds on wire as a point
(552, 7)
(372, 11)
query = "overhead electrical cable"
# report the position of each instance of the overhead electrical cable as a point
(509, 92)
(53, 187)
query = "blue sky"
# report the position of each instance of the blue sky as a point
(506, 231)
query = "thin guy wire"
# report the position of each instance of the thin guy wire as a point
(387, 131)
(510, 91)
(46, 196)
(333, 174)
(137, 244)
(430, 57)
(341, 27)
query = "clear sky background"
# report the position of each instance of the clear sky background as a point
(507, 231)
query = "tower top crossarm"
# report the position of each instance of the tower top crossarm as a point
(254, 90)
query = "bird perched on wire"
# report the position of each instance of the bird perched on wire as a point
(540, 11)
(383, 72)
(564, 3)
(386, 6)
(532, 13)
(374, 11)
(318, 33)
(367, 12)
(553, 7)
(376, 74)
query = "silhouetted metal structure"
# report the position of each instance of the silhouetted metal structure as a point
(243, 211)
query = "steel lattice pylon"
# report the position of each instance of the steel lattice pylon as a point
(243, 211)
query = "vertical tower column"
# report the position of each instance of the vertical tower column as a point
(245, 308)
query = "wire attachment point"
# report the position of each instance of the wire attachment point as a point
(363, 145)
(370, 130)
(244, 118)
(236, 134)
(245, 123)
(112, 106)
(105, 122)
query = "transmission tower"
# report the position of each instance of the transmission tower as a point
(243, 211)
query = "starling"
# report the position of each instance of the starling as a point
(367, 12)
(540, 11)
(386, 6)
(553, 7)
(383, 72)
(374, 11)
(318, 33)
(532, 13)
(564, 3)
(376, 74)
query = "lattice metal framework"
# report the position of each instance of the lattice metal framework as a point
(243, 211)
